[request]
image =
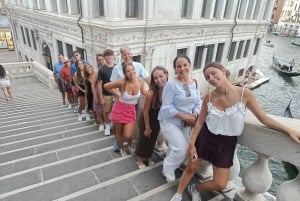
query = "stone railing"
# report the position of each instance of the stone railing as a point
(32, 68)
(257, 178)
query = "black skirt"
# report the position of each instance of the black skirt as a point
(216, 149)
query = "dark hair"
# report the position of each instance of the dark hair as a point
(108, 52)
(100, 54)
(60, 55)
(216, 65)
(2, 72)
(154, 88)
(124, 65)
(79, 75)
(178, 57)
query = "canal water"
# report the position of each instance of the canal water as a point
(274, 96)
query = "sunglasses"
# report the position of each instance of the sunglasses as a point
(187, 90)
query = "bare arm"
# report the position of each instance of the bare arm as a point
(147, 106)
(255, 108)
(114, 85)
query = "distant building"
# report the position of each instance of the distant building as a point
(278, 6)
(289, 23)
(228, 31)
(6, 40)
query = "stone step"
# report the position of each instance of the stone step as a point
(19, 142)
(35, 113)
(42, 127)
(22, 119)
(28, 109)
(106, 178)
(68, 128)
(49, 146)
(46, 119)
(55, 151)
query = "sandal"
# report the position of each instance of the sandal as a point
(140, 165)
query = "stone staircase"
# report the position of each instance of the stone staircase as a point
(46, 154)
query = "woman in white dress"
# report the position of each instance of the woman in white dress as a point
(5, 83)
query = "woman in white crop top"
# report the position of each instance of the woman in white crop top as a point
(126, 93)
(215, 133)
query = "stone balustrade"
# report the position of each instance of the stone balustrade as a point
(32, 68)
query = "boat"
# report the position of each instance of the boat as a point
(284, 69)
(268, 43)
(296, 42)
(290, 169)
(253, 80)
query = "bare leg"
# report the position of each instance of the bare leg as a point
(4, 89)
(9, 92)
(119, 133)
(188, 173)
(128, 132)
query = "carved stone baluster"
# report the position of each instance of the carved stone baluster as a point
(205, 171)
(257, 179)
(289, 190)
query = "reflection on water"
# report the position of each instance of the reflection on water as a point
(274, 96)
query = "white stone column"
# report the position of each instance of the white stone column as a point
(210, 7)
(196, 10)
(221, 9)
(26, 3)
(41, 4)
(51, 5)
(62, 6)
(113, 8)
(32, 4)
(232, 7)
(243, 9)
(289, 190)
(215, 52)
(73, 8)
(257, 179)
(252, 9)
(203, 57)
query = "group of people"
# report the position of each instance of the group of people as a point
(196, 128)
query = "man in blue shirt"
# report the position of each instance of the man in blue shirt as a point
(56, 74)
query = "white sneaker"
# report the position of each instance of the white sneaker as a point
(107, 130)
(170, 177)
(101, 127)
(87, 117)
(80, 117)
(123, 152)
(194, 193)
(176, 197)
(131, 150)
(75, 109)
(70, 106)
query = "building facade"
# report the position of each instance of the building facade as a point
(227, 31)
(289, 23)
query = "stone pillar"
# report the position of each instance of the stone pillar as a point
(41, 4)
(257, 179)
(51, 5)
(203, 57)
(62, 6)
(289, 190)
(205, 171)
(73, 8)
(33, 4)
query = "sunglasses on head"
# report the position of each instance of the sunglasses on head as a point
(187, 90)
